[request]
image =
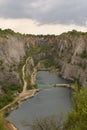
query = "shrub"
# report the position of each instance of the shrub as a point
(48, 123)
(2, 122)
(77, 119)
(84, 54)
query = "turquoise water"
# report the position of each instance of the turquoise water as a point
(49, 101)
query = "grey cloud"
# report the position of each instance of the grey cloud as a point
(46, 11)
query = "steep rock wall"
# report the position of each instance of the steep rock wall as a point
(68, 53)
(12, 50)
(71, 51)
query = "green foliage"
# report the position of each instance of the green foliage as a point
(45, 48)
(29, 86)
(6, 99)
(8, 95)
(11, 87)
(77, 86)
(58, 66)
(82, 65)
(48, 61)
(5, 32)
(8, 31)
(69, 60)
(74, 33)
(84, 54)
(2, 122)
(77, 119)
(1, 62)
(33, 51)
(38, 49)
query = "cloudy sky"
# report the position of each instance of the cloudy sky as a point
(43, 16)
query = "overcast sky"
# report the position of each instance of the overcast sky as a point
(43, 16)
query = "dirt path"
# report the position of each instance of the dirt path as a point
(9, 126)
(23, 76)
(23, 95)
(33, 76)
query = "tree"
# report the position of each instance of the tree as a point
(48, 123)
(77, 119)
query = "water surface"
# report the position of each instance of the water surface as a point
(49, 101)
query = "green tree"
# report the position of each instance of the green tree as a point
(77, 119)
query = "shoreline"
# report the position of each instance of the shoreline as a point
(24, 95)
(29, 94)
(9, 125)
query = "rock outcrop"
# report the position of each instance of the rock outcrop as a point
(69, 52)
(12, 50)
(72, 55)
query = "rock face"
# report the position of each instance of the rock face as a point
(69, 52)
(72, 52)
(29, 67)
(12, 50)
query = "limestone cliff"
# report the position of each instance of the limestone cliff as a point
(69, 53)
(12, 50)
(72, 55)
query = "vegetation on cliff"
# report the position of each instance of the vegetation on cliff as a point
(83, 54)
(74, 33)
(9, 93)
(52, 51)
(5, 32)
(77, 119)
(2, 122)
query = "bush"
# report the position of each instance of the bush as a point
(6, 99)
(49, 61)
(84, 54)
(2, 122)
(77, 119)
(11, 87)
(8, 95)
(48, 123)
